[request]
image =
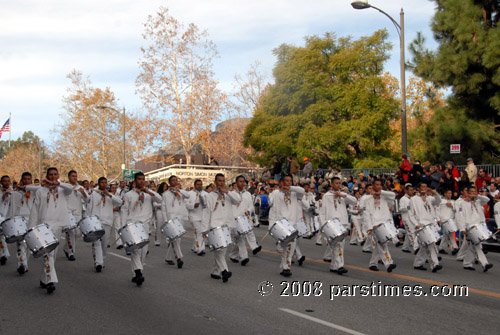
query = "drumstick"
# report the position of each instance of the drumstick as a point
(264, 237)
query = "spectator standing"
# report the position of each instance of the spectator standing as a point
(471, 170)
(405, 168)
(330, 174)
(454, 172)
(308, 168)
(292, 167)
(436, 177)
(277, 169)
(464, 181)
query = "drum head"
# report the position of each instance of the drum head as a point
(45, 250)
(137, 245)
(93, 236)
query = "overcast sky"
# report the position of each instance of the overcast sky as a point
(42, 41)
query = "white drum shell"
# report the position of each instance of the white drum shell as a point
(478, 233)
(385, 232)
(333, 230)
(91, 228)
(449, 227)
(283, 231)
(219, 237)
(427, 235)
(14, 229)
(134, 235)
(173, 229)
(72, 223)
(243, 225)
(302, 228)
(40, 240)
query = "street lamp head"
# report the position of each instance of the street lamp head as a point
(360, 5)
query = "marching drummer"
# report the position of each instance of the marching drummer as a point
(334, 206)
(377, 212)
(284, 202)
(447, 213)
(218, 213)
(50, 207)
(75, 200)
(404, 207)
(173, 205)
(421, 216)
(138, 207)
(101, 204)
(195, 205)
(21, 204)
(5, 193)
(473, 214)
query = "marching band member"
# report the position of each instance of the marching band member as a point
(309, 208)
(461, 223)
(447, 212)
(219, 212)
(421, 215)
(334, 206)
(21, 203)
(473, 214)
(101, 204)
(50, 207)
(284, 202)
(158, 214)
(138, 207)
(368, 243)
(357, 233)
(195, 205)
(113, 189)
(173, 206)
(5, 193)
(410, 243)
(75, 201)
(377, 212)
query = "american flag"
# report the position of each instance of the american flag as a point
(5, 128)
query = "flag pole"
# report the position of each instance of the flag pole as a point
(10, 126)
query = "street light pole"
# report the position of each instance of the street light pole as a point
(401, 32)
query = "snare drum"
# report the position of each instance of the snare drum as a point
(427, 235)
(302, 228)
(478, 233)
(14, 229)
(91, 228)
(243, 225)
(385, 231)
(173, 229)
(72, 223)
(449, 227)
(41, 240)
(333, 230)
(283, 231)
(134, 236)
(219, 237)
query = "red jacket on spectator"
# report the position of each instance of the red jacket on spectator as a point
(479, 180)
(405, 168)
(455, 174)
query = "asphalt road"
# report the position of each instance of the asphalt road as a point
(188, 301)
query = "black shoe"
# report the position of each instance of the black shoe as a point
(391, 267)
(257, 250)
(440, 258)
(341, 270)
(286, 273)
(201, 253)
(476, 262)
(245, 262)
(367, 251)
(139, 278)
(404, 250)
(443, 252)
(336, 271)
(108, 246)
(128, 253)
(234, 260)
(119, 247)
(437, 268)
(147, 253)
(3, 260)
(362, 243)
(98, 268)
(399, 244)
(327, 260)
(421, 267)
(380, 262)
(170, 262)
(301, 260)
(416, 251)
(50, 288)
(43, 285)
(373, 268)
(180, 263)
(226, 275)
(487, 267)
(455, 251)
(469, 268)
(21, 270)
(69, 257)
(215, 276)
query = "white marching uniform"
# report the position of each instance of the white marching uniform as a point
(378, 212)
(158, 222)
(173, 205)
(50, 207)
(102, 206)
(447, 213)
(219, 212)
(459, 218)
(473, 214)
(284, 205)
(335, 207)
(138, 207)
(244, 207)
(309, 202)
(422, 213)
(356, 233)
(369, 245)
(195, 215)
(410, 243)
(5, 198)
(76, 202)
(20, 205)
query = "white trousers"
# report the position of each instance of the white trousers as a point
(239, 249)
(357, 232)
(99, 247)
(410, 242)
(69, 246)
(220, 263)
(4, 250)
(464, 247)
(370, 244)
(251, 240)
(199, 242)
(298, 251)
(138, 256)
(174, 251)
(117, 223)
(448, 240)
(309, 220)
(337, 254)
(49, 260)
(474, 251)
(381, 252)
(429, 253)
(22, 254)
(286, 256)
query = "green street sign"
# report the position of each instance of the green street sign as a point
(128, 175)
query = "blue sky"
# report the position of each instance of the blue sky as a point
(42, 41)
